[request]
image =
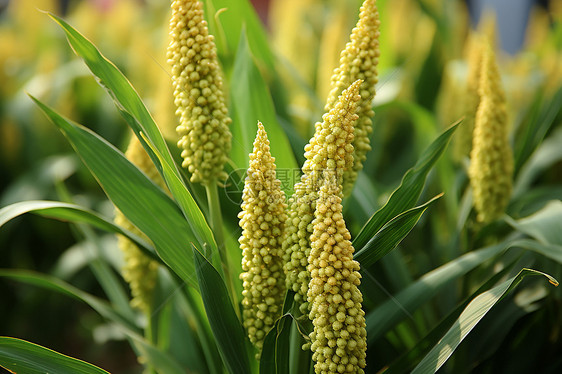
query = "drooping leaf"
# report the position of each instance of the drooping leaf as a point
(545, 225)
(471, 315)
(138, 118)
(70, 213)
(406, 195)
(391, 234)
(391, 312)
(226, 327)
(157, 358)
(23, 357)
(119, 88)
(406, 362)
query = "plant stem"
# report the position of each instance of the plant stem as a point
(217, 227)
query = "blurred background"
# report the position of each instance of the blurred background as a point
(422, 59)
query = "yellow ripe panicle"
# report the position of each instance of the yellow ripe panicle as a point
(339, 338)
(330, 148)
(138, 270)
(262, 220)
(491, 158)
(359, 60)
(205, 138)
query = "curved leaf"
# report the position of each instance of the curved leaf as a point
(387, 315)
(20, 356)
(545, 225)
(70, 213)
(391, 235)
(134, 194)
(155, 357)
(406, 195)
(471, 315)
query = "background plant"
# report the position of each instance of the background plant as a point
(428, 253)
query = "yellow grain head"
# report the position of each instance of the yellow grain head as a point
(205, 138)
(262, 220)
(330, 148)
(359, 60)
(139, 271)
(339, 338)
(491, 158)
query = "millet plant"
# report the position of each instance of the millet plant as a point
(307, 216)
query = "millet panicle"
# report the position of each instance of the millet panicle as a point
(491, 158)
(330, 148)
(205, 138)
(359, 60)
(262, 220)
(339, 338)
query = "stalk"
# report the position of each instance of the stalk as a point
(217, 228)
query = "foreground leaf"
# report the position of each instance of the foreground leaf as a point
(391, 235)
(406, 195)
(70, 213)
(158, 359)
(134, 194)
(226, 327)
(22, 357)
(545, 225)
(387, 315)
(473, 313)
(119, 88)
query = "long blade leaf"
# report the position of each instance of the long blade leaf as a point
(134, 194)
(472, 314)
(225, 325)
(406, 195)
(70, 213)
(20, 356)
(391, 235)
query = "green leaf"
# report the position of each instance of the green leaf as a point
(22, 357)
(70, 213)
(472, 314)
(252, 102)
(226, 21)
(540, 121)
(391, 234)
(406, 362)
(187, 204)
(226, 327)
(119, 88)
(275, 352)
(545, 225)
(155, 357)
(387, 315)
(406, 195)
(135, 195)
(546, 156)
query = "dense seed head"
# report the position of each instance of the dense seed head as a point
(329, 148)
(463, 138)
(339, 339)
(139, 271)
(205, 138)
(359, 60)
(491, 158)
(262, 220)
